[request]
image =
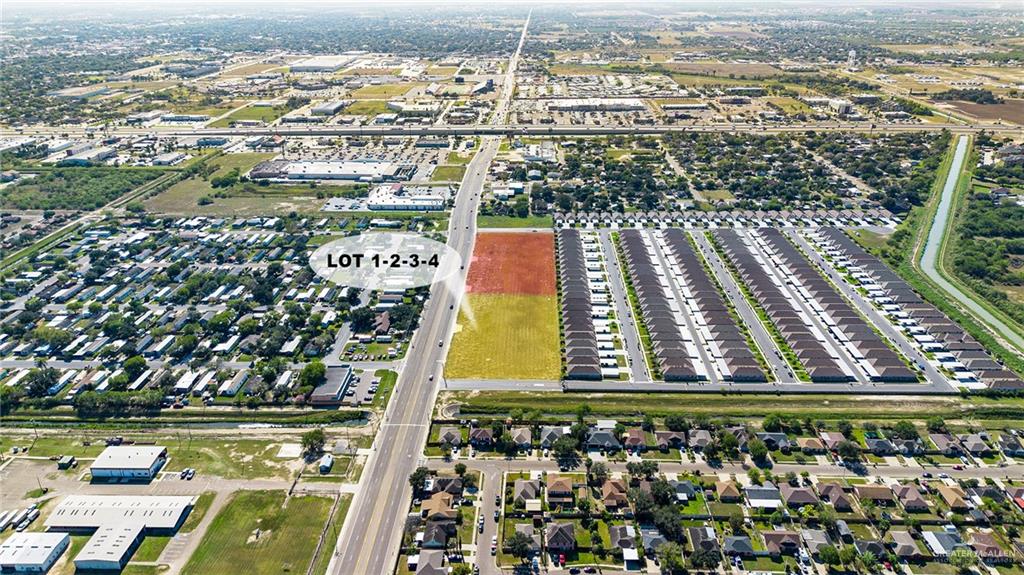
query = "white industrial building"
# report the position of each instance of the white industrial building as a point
(129, 462)
(118, 523)
(31, 552)
(399, 198)
(362, 170)
(597, 105)
(320, 64)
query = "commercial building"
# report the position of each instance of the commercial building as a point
(30, 552)
(397, 197)
(360, 170)
(129, 462)
(118, 523)
(88, 157)
(597, 105)
(329, 393)
(329, 108)
(320, 64)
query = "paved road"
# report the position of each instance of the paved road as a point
(936, 234)
(628, 329)
(782, 371)
(518, 129)
(869, 311)
(372, 533)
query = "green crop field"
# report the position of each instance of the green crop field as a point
(506, 337)
(264, 532)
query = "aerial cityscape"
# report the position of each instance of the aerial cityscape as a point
(462, 288)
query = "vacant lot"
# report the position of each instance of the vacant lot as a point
(382, 92)
(543, 222)
(508, 324)
(263, 531)
(75, 188)
(448, 174)
(1009, 110)
(265, 114)
(366, 108)
(506, 337)
(512, 263)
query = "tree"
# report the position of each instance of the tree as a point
(848, 450)
(313, 373)
(599, 473)
(519, 544)
(963, 559)
(313, 441)
(829, 555)
(704, 558)
(134, 366)
(564, 448)
(40, 380)
(460, 469)
(670, 556)
(758, 450)
(362, 319)
(736, 521)
(844, 427)
(417, 477)
(669, 522)
(677, 423)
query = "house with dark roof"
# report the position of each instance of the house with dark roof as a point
(703, 538)
(481, 437)
(622, 537)
(781, 542)
(550, 434)
(560, 537)
(651, 539)
(1010, 445)
(835, 494)
(685, 490)
(524, 490)
(670, 439)
(903, 545)
(988, 548)
(437, 534)
(877, 494)
(911, 499)
(634, 440)
(603, 440)
(738, 545)
(798, 496)
(946, 444)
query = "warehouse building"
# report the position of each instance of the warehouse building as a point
(397, 197)
(30, 552)
(129, 462)
(118, 523)
(320, 64)
(329, 108)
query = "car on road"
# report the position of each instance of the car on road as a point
(497, 514)
(191, 473)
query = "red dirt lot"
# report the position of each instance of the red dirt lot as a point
(513, 263)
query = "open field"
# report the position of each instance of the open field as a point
(265, 114)
(543, 222)
(512, 264)
(382, 92)
(724, 69)
(366, 108)
(1009, 110)
(506, 337)
(263, 530)
(790, 105)
(236, 459)
(448, 174)
(252, 69)
(508, 327)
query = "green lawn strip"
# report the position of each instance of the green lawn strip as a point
(514, 222)
(634, 304)
(323, 559)
(385, 388)
(262, 531)
(202, 505)
(150, 549)
(448, 173)
(787, 352)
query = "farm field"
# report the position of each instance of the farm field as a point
(1009, 110)
(508, 327)
(263, 531)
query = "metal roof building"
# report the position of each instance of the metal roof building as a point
(32, 552)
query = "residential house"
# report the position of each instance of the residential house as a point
(703, 538)
(815, 539)
(670, 439)
(634, 440)
(452, 485)
(622, 537)
(728, 492)
(877, 494)
(524, 490)
(651, 539)
(908, 447)
(911, 499)
(603, 440)
(561, 537)
(831, 439)
(765, 496)
(988, 548)
(776, 440)
(781, 542)
(522, 437)
(835, 494)
(437, 534)
(613, 494)
(953, 497)
(811, 445)
(946, 444)
(481, 437)
(797, 497)
(872, 546)
(904, 546)
(975, 444)
(880, 446)
(559, 490)
(942, 543)
(685, 490)
(531, 533)
(438, 507)
(451, 436)
(738, 545)
(700, 438)
(1010, 445)
(550, 434)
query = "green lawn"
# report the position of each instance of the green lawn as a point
(324, 558)
(385, 388)
(198, 512)
(265, 114)
(366, 108)
(258, 531)
(448, 174)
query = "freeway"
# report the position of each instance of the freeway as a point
(371, 536)
(501, 114)
(933, 247)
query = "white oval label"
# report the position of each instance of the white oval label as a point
(385, 260)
